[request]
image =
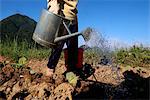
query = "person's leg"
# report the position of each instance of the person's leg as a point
(54, 58)
(72, 46)
(55, 54)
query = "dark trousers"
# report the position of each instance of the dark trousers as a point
(72, 46)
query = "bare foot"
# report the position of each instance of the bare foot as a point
(49, 72)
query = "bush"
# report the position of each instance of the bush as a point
(136, 56)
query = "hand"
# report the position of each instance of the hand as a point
(70, 10)
(72, 3)
(53, 6)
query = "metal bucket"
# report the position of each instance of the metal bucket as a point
(46, 28)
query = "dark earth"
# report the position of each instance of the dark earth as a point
(29, 82)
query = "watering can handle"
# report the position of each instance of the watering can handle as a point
(57, 39)
(67, 27)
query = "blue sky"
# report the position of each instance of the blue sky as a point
(125, 21)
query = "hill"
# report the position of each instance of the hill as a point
(17, 26)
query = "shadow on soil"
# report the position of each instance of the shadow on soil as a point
(133, 87)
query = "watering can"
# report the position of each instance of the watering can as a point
(47, 30)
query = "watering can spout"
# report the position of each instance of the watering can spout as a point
(86, 36)
(66, 37)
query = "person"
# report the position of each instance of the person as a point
(67, 9)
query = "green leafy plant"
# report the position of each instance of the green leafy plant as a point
(136, 56)
(22, 60)
(72, 78)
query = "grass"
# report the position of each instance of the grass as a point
(134, 56)
(15, 50)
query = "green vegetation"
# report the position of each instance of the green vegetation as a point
(21, 62)
(16, 42)
(16, 38)
(136, 56)
(95, 54)
(17, 50)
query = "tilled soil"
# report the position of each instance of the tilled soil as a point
(30, 83)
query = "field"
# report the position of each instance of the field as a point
(122, 73)
(27, 80)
